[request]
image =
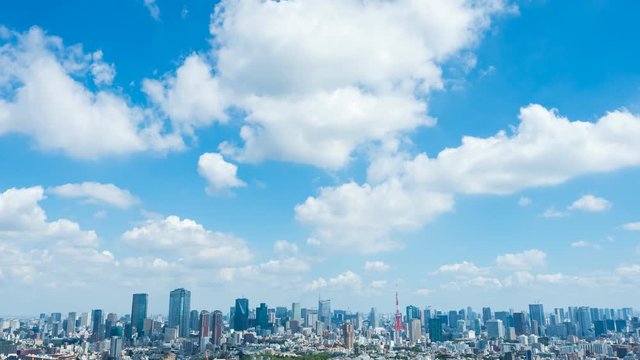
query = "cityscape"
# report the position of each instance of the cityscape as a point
(320, 332)
(319, 179)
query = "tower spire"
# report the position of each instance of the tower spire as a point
(398, 326)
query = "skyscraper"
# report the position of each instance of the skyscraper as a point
(97, 325)
(216, 327)
(203, 331)
(348, 334)
(373, 318)
(415, 330)
(486, 314)
(241, 316)
(194, 320)
(413, 312)
(179, 311)
(435, 329)
(324, 311)
(139, 312)
(520, 323)
(71, 323)
(296, 312)
(536, 313)
(262, 316)
(495, 329)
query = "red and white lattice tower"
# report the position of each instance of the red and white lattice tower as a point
(398, 326)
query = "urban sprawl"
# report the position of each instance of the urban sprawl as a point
(321, 332)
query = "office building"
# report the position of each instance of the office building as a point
(139, 313)
(217, 326)
(180, 311)
(495, 329)
(97, 325)
(296, 311)
(324, 311)
(241, 316)
(348, 334)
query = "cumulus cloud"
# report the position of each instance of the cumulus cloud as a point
(525, 260)
(96, 193)
(376, 266)
(635, 226)
(368, 83)
(552, 212)
(524, 201)
(545, 149)
(580, 244)
(423, 292)
(590, 203)
(346, 280)
(42, 95)
(191, 98)
(34, 249)
(220, 175)
(285, 247)
(187, 241)
(463, 268)
(362, 217)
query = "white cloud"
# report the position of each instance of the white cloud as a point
(320, 79)
(220, 175)
(191, 98)
(552, 212)
(525, 260)
(378, 284)
(35, 250)
(524, 201)
(632, 270)
(96, 193)
(580, 244)
(590, 203)
(42, 96)
(545, 149)
(347, 280)
(285, 247)
(186, 240)
(361, 218)
(423, 292)
(153, 8)
(635, 226)
(376, 266)
(463, 268)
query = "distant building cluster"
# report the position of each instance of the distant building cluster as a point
(266, 332)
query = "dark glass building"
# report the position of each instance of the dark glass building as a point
(139, 313)
(241, 316)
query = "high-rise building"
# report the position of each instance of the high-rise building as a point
(194, 320)
(435, 330)
(413, 312)
(349, 335)
(324, 311)
(203, 331)
(139, 313)
(415, 330)
(115, 348)
(536, 313)
(486, 314)
(296, 312)
(241, 316)
(217, 326)
(204, 322)
(71, 324)
(520, 323)
(262, 316)
(373, 317)
(583, 317)
(495, 329)
(97, 325)
(453, 319)
(179, 311)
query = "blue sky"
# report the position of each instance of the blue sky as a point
(282, 150)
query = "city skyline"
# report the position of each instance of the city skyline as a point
(465, 153)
